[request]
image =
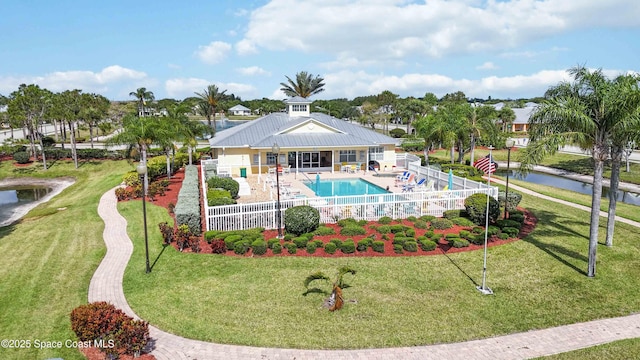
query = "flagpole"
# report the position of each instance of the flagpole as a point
(483, 288)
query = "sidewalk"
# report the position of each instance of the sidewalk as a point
(106, 285)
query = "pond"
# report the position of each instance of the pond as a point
(14, 197)
(569, 184)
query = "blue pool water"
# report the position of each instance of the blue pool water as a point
(344, 187)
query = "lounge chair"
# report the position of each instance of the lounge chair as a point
(403, 178)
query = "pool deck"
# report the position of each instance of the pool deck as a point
(295, 181)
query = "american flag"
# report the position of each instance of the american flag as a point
(486, 164)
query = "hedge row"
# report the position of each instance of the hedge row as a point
(187, 208)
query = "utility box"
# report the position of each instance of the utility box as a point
(243, 172)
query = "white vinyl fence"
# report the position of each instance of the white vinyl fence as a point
(367, 207)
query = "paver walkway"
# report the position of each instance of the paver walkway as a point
(106, 285)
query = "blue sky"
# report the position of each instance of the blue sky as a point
(505, 49)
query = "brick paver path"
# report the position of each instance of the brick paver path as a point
(106, 285)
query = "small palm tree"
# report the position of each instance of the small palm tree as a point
(212, 95)
(304, 86)
(142, 96)
(335, 299)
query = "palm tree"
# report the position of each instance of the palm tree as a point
(304, 86)
(586, 112)
(142, 96)
(335, 299)
(212, 95)
(621, 139)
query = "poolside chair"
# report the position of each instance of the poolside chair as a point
(426, 185)
(403, 177)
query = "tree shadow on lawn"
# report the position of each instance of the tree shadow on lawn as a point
(559, 231)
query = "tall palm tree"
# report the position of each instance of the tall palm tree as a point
(212, 95)
(142, 96)
(586, 112)
(620, 140)
(304, 86)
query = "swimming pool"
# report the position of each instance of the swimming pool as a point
(344, 187)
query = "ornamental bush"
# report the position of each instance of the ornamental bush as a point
(301, 219)
(131, 179)
(271, 242)
(259, 247)
(476, 207)
(427, 245)
(300, 242)
(410, 246)
(225, 183)
(364, 244)
(516, 217)
(508, 223)
(513, 199)
(218, 247)
(385, 220)
(330, 248)
(441, 223)
(21, 157)
(348, 247)
(378, 246)
(352, 230)
(276, 248)
(187, 209)
(420, 224)
(511, 231)
(324, 230)
(460, 243)
(311, 247)
(346, 222)
(241, 247)
(291, 248)
(397, 248)
(384, 229)
(462, 221)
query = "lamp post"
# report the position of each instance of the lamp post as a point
(276, 150)
(508, 144)
(483, 288)
(142, 172)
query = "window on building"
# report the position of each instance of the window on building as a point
(271, 158)
(376, 153)
(347, 156)
(256, 159)
(297, 107)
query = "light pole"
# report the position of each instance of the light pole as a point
(508, 144)
(276, 150)
(142, 171)
(483, 288)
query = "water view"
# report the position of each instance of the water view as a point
(15, 196)
(570, 184)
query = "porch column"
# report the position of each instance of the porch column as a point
(333, 161)
(259, 166)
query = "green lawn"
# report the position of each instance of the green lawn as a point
(48, 259)
(618, 350)
(401, 301)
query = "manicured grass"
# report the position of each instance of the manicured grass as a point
(570, 162)
(538, 282)
(618, 350)
(48, 259)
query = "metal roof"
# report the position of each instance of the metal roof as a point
(264, 131)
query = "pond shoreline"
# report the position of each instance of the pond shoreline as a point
(56, 185)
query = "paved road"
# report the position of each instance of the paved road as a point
(106, 285)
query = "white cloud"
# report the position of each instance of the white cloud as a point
(185, 87)
(111, 77)
(253, 70)
(213, 53)
(383, 30)
(487, 66)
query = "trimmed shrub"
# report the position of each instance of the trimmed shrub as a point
(493, 230)
(291, 248)
(309, 236)
(276, 248)
(167, 232)
(311, 247)
(131, 179)
(384, 229)
(364, 244)
(259, 247)
(385, 220)
(300, 242)
(511, 231)
(410, 232)
(410, 246)
(398, 228)
(348, 247)
(397, 248)
(477, 239)
(503, 236)
(21, 157)
(428, 245)
(226, 183)
(477, 229)
(441, 224)
(330, 248)
(301, 219)
(338, 242)
(241, 247)
(384, 237)
(271, 242)
(378, 246)
(465, 233)
(429, 234)
(421, 224)
(346, 222)
(451, 214)
(187, 209)
(512, 201)
(412, 218)
(220, 201)
(400, 240)
(427, 218)
(218, 247)
(508, 223)
(516, 217)
(476, 207)
(460, 243)
(353, 230)
(462, 221)
(323, 230)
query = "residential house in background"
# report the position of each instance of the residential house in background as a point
(240, 110)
